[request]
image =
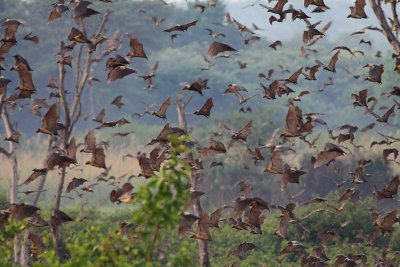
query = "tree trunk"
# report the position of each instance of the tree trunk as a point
(387, 31)
(203, 244)
(12, 156)
(42, 181)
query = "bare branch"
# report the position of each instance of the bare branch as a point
(5, 152)
(195, 177)
(188, 101)
(396, 21)
(86, 70)
(380, 15)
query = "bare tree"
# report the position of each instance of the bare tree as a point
(72, 113)
(11, 154)
(195, 176)
(390, 24)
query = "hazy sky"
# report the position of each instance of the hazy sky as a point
(339, 9)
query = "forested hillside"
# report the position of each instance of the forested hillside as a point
(153, 133)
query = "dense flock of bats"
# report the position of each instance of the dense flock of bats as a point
(248, 212)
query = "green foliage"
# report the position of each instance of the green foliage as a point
(7, 234)
(156, 215)
(163, 198)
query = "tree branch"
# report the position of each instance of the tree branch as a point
(5, 152)
(86, 70)
(396, 21)
(380, 15)
(203, 245)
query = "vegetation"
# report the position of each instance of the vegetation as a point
(304, 172)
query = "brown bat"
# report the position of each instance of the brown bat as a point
(26, 85)
(291, 246)
(295, 76)
(161, 112)
(56, 159)
(187, 221)
(375, 73)
(36, 173)
(275, 164)
(22, 211)
(203, 225)
(332, 63)
(245, 110)
(242, 27)
(389, 151)
(182, 28)
(32, 38)
(90, 142)
(216, 48)
(283, 225)
(36, 244)
(368, 127)
(312, 71)
(357, 11)
(360, 99)
(123, 194)
(65, 60)
(78, 36)
(390, 190)
(49, 121)
(111, 124)
(346, 49)
(290, 176)
(59, 217)
(117, 101)
(205, 109)
(57, 11)
(233, 89)
(200, 7)
(243, 99)
(10, 28)
(242, 134)
(311, 34)
(242, 65)
(197, 86)
(75, 183)
(299, 14)
(149, 77)
(82, 10)
(146, 169)
(71, 149)
(119, 72)
(362, 41)
(167, 130)
(275, 44)
(214, 148)
(314, 2)
(158, 156)
(116, 62)
(5, 48)
(122, 134)
(137, 49)
(329, 154)
(212, 34)
(278, 8)
(385, 223)
(99, 118)
(387, 114)
(157, 22)
(242, 250)
(252, 39)
(294, 121)
(98, 158)
(14, 137)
